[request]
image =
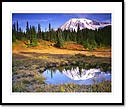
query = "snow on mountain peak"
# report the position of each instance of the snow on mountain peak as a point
(73, 23)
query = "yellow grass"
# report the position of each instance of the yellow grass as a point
(45, 47)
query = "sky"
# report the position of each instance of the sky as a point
(55, 19)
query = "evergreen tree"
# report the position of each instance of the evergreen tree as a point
(27, 31)
(78, 34)
(88, 38)
(49, 27)
(20, 34)
(33, 40)
(17, 27)
(60, 41)
(39, 34)
(49, 32)
(13, 32)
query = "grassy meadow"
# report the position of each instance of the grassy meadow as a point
(28, 63)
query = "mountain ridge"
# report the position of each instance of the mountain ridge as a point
(72, 24)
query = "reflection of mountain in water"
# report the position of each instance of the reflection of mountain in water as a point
(83, 74)
(76, 75)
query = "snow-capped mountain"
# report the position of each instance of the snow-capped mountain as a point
(73, 23)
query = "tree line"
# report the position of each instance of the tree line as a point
(88, 38)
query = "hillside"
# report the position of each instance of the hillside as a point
(70, 48)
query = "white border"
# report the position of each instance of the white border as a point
(62, 7)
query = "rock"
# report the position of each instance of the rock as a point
(74, 62)
(51, 65)
(62, 63)
(66, 62)
(34, 66)
(21, 67)
(57, 64)
(41, 69)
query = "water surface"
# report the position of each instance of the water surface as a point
(76, 76)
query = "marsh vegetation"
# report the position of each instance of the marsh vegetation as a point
(28, 65)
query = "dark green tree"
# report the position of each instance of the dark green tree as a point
(27, 31)
(33, 39)
(13, 32)
(39, 33)
(60, 41)
(49, 27)
(17, 27)
(49, 32)
(17, 30)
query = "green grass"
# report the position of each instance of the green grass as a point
(39, 79)
(18, 87)
(26, 81)
(104, 86)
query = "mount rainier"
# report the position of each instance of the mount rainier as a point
(83, 23)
